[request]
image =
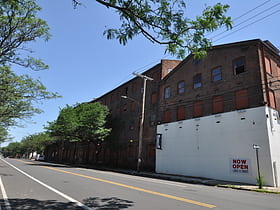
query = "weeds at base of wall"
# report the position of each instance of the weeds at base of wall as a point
(260, 181)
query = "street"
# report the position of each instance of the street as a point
(28, 184)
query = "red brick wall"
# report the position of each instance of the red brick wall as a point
(222, 56)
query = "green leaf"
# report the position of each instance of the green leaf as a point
(19, 26)
(164, 22)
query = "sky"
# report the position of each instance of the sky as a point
(85, 65)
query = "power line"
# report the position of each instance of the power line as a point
(244, 14)
(248, 25)
(247, 19)
(257, 14)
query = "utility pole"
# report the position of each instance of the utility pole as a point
(141, 126)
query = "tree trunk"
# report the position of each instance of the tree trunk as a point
(74, 153)
(88, 150)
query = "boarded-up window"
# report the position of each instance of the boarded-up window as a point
(267, 65)
(272, 99)
(154, 98)
(167, 116)
(180, 112)
(241, 99)
(273, 65)
(218, 104)
(197, 109)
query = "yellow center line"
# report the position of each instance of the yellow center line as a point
(131, 187)
(25, 161)
(135, 188)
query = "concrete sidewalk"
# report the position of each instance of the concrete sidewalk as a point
(212, 182)
(191, 180)
(204, 181)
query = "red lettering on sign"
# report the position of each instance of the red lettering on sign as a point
(239, 161)
(243, 161)
(244, 167)
(240, 166)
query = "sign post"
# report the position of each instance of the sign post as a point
(257, 147)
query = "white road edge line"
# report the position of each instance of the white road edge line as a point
(5, 197)
(51, 188)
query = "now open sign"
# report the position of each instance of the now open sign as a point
(240, 165)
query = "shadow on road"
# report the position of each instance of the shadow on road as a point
(32, 204)
(107, 203)
(38, 163)
(2, 174)
(94, 203)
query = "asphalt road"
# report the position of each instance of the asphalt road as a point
(27, 184)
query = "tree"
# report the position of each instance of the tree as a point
(29, 144)
(92, 125)
(92, 122)
(14, 149)
(164, 22)
(17, 95)
(36, 142)
(4, 136)
(84, 122)
(19, 26)
(65, 126)
(81, 122)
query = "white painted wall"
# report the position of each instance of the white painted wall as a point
(207, 146)
(274, 137)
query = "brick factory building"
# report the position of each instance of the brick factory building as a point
(202, 117)
(216, 111)
(122, 148)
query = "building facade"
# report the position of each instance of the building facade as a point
(121, 150)
(213, 110)
(202, 117)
